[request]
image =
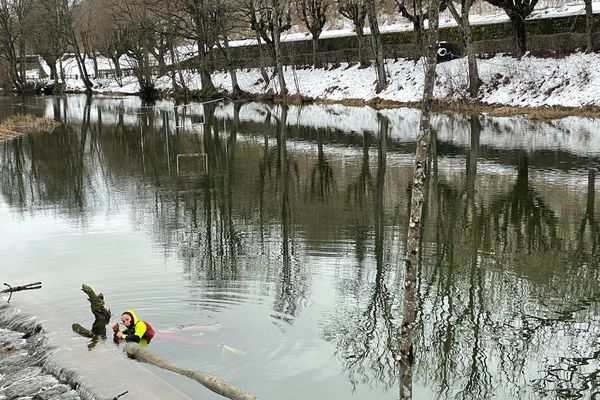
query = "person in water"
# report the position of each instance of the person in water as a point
(136, 330)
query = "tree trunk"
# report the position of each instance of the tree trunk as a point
(419, 41)
(143, 73)
(179, 88)
(263, 73)
(162, 65)
(377, 46)
(360, 35)
(474, 81)
(95, 60)
(14, 68)
(276, 43)
(82, 68)
(520, 35)
(84, 74)
(465, 26)
(22, 63)
(589, 24)
(118, 72)
(315, 48)
(208, 87)
(53, 73)
(235, 87)
(62, 69)
(417, 205)
(211, 382)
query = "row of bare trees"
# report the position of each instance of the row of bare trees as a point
(153, 32)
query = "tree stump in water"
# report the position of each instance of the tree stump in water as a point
(211, 382)
(96, 303)
(101, 314)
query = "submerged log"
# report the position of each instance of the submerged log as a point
(82, 331)
(211, 382)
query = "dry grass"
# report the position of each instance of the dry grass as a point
(345, 102)
(534, 113)
(475, 107)
(547, 113)
(21, 124)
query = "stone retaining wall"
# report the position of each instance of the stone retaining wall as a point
(553, 36)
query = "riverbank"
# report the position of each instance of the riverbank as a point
(542, 87)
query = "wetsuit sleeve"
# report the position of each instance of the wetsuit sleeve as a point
(140, 330)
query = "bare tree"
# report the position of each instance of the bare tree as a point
(417, 205)
(163, 38)
(517, 11)
(314, 15)
(462, 20)
(269, 19)
(135, 14)
(171, 25)
(356, 11)
(110, 35)
(68, 14)
(377, 46)
(275, 12)
(417, 11)
(223, 15)
(203, 33)
(112, 44)
(13, 15)
(45, 38)
(87, 30)
(251, 11)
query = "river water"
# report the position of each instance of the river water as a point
(265, 243)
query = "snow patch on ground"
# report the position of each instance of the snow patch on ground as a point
(572, 81)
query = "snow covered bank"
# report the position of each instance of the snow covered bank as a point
(573, 81)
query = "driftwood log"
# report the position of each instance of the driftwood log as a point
(29, 286)
(101, 315)
(82, 331)
(96, 303)
(211, 382)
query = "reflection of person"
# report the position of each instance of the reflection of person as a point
(136, 330)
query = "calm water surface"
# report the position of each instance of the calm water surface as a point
(266, 243)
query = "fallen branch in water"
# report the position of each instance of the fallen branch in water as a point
(82, 331)
(121, 395)
(211, 382)
(96, 303)
(29, 286)
(101, 315)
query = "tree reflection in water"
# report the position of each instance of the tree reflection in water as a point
(290, 286)
(364, 333)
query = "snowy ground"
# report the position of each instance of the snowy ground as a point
(573, 81)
